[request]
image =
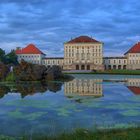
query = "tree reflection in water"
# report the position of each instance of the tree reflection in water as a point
(77, 87)
(29, 88)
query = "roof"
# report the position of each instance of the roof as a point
(83, 39)
(30, 49)
(54, 58)
(134, 49)
(135, 90)
(117, 57)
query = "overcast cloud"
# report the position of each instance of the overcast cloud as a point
(50, 23)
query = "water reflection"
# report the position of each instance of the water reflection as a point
(133, 85)
(84, 87)
(29, 88)
(76, 87)
(74, 106)
(3, 90)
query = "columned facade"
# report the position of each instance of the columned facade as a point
(83, 53)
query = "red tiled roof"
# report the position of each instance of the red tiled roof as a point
(134, 49)
(30, 49)
(135, 90)
(83, 39)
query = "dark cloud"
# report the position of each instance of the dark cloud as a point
(50, 23)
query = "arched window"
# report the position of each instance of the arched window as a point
(83, 67)
(88, 67)
(124, 67)
(119, 67)
(114, 67)
(109, 67)
(77, 67)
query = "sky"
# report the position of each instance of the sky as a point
(50, 23)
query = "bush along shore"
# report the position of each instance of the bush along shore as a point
(120, 134)
(31, 72)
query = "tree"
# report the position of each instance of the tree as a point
(2, 55)
(11, 58)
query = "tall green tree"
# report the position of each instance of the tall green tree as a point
(2, 55)
(11, 58)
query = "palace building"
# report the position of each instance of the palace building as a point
(82, 53)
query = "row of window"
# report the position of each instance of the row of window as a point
(134, 83)
(86, 85)
(115, 61)
(96, 61)
(83, 47)
(53, 62)
(83, 50)
(134, 55)
(134, 61)
(28, 56)
(115, 67)
(82, 54)
(34, 61)
(123, 61)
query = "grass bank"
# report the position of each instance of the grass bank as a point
(10, 77)
(118, 72)
(127, 134)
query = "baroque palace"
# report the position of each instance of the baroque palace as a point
(82, 53)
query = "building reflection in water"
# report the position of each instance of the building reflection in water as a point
(133, 85)
(84, 87)
(80, 87)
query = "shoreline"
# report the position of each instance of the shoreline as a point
(108, 72)
(82, 134)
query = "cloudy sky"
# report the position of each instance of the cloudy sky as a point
(50, 23)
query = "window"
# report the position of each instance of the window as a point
(88, 67)
(77, 55)
(88, 56)
(109, 67)
(77, 67)
(82, 55)
(124, 67)
(119, 61)
(114, 67)
(119, 66)
(83, 67)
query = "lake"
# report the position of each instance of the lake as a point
(89, 102)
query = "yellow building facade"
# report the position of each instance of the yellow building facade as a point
(83, 53)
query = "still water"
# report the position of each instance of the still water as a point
(89, 102)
